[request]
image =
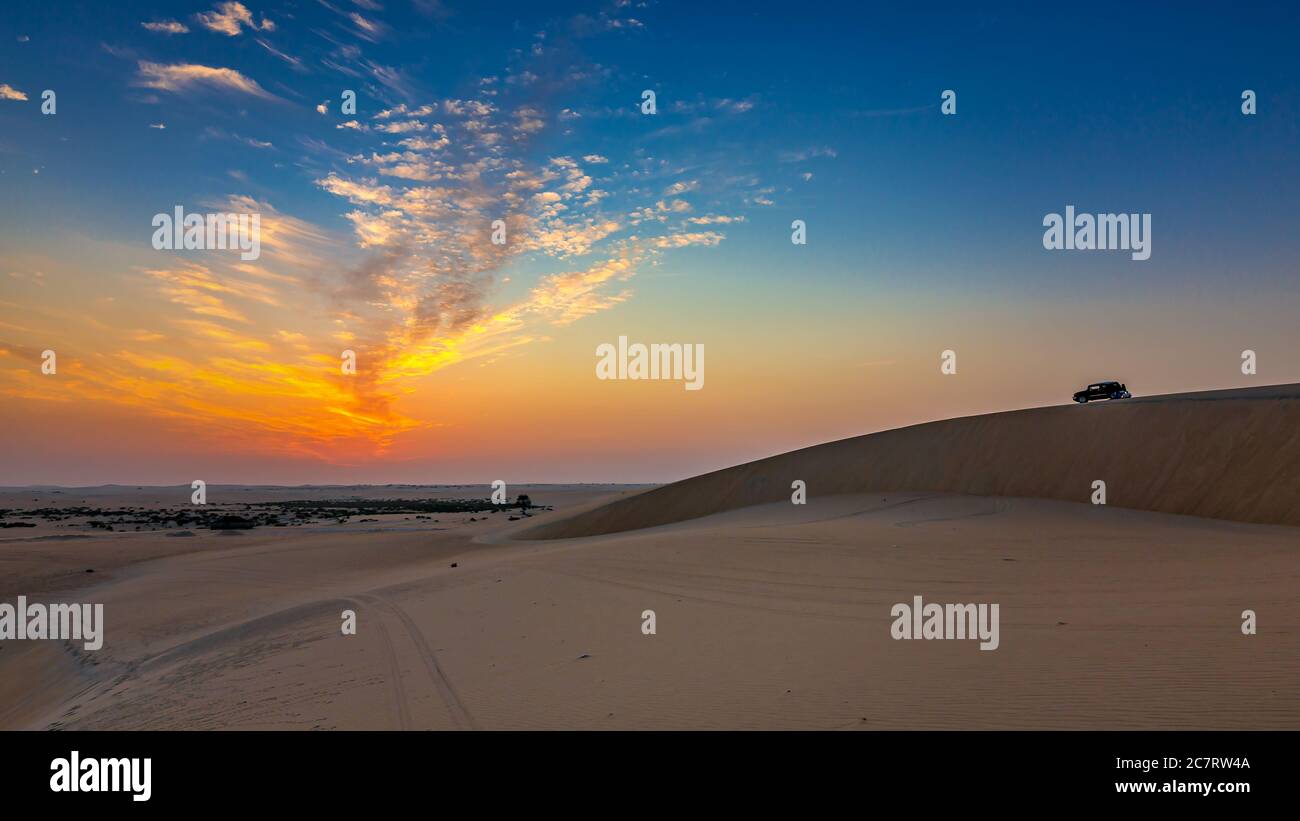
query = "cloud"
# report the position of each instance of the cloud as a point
(294, 62)
(181, 76)
(572, 239)
(402, 127)
(403, 111)
(714, 219)
(166, 27)
(367, 29)
(567, 297)
(8, 92)
(425, 143)
(735, 106)
(683, 240)
(250, 349)
(470, 108)
(391, 78)
(808, 154)
(434, 264)
(357, 192)
(724, 105)
(197, 288)
(229, 18)
(294, 242)
(528, 120)
(222, 134)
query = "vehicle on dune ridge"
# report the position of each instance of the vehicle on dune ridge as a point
(1102, 390)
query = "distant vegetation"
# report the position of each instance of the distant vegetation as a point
(366, 507)
(256, 514)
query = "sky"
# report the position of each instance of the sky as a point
(477, 361)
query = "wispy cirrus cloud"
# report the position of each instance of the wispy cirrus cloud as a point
(294, 62)
(367, 29)
(222, 134)
(8, 92)
(178, 77)
(724, 105)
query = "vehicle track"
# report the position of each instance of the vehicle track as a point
(459, 714)
(395, 672)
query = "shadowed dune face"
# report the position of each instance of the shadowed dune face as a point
(1220, 454)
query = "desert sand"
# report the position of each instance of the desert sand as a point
(768, 615)
(1232, 454)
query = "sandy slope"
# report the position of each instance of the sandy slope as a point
(769, 617)
(1223, 454)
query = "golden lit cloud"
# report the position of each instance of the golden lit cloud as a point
(181, 76)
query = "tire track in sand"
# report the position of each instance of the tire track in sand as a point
(459, 714)
(394, 669)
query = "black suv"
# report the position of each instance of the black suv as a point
(1103, 390)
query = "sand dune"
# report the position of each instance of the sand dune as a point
(774, 616)
(1222, 454)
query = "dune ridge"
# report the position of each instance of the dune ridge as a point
(1224, 454)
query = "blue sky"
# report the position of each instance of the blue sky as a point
(1094, 105)
(921, 227)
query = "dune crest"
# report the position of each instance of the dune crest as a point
(1226, 454)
